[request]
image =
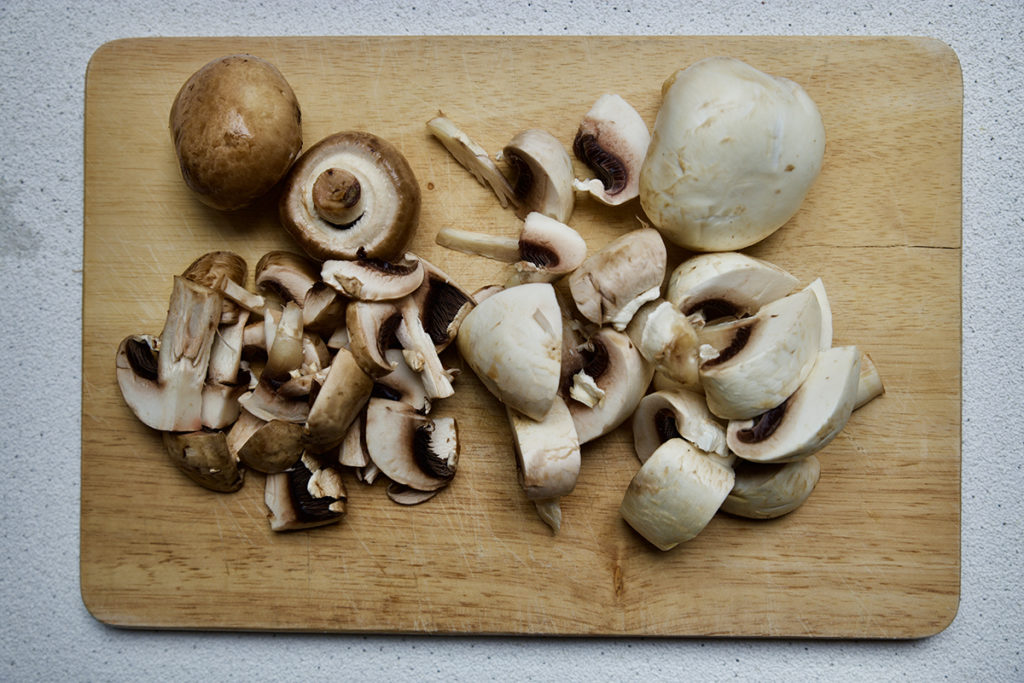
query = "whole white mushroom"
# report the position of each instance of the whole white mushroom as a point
(732, 155)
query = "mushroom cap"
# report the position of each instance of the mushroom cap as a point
(205, 459)
(733, 153)
(236, 129)
(388, 190)
(767, 491)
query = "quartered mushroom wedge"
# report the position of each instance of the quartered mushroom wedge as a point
(666, 415)
(612, 141)
(768, 491)
(667, 339)
(203, 456)
(809, 419)
(541, 174)
(473, 158)
(675, 494)
(409, 448)
(309, 494)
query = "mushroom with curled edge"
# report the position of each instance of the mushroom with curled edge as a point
(512, 340)
(547, 458)
(372, 279)
(343, 395)
(733, 153)
(608, 386)
(545, 250)
(351, 190)
(473, 158)
(309, 494)
(204, 458)
(541, 174)
(613, 283)
(674, 495)
(808, 420)
(770, 490)
(683, 414)
(612, 141)
(161, 379)
(712, 287)
(667, 340)
(409, 448)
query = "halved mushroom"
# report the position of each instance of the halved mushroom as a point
(349, 191)
(675, 494)
(305, 496)
(726, 285)
(410, 448)
(808, 420)
(372, 279)
(341, 398)
(162, 379)
(204, 458)
(767, 491)
(666, 415)
(612, 284)
(546, 248)
(541, 174)
(612, 141)
(273, 447)
(473, 158)
(780, 350)
(667, 340)
(512, 340)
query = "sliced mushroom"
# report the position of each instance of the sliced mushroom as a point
(204, 458)
(285, 351)
(666, 415)
(473, 158)
(780, 350)
(344, 393)
(323, 310)
(371, 279)
(442, 305)
(403, 495)
(402, 383)
(162, 379)
(675, 494)
(818, 288)
(513, 342)
(349, 191)
(409, 448)
(809, 419)
(550, 512)
(224, 383)
(541, 174)
(286, 274)
(545, 247)
(870, 385)
(768, 491)
(726, 285)
(547, 452)
(305, 496)
(353, 451)
(612, 141)
(667, 340)
(213, 269)
(273, 447)
(371, 331)
(612, 284)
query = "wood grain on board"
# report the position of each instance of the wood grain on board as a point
(873, 553)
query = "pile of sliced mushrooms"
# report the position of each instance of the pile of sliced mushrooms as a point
(723, 364)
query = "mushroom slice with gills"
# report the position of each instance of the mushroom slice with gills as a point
(545, 249)
(372, 279)
(613, 283)
(350, 191)
(323, 310)
(402, 384)
(616, 375)
(512, 341)
(442, 305)
(808, 420)
(288, 275)
(675, 494)
(273, 447)
(304, 496)
(371, 329)
(612, 141)
(541, 174)
(409, 448)
(711, 287)
(215, 268)
(473, 158)
(667, 340)
(683, 414)
(870, 386)
(162, 379)
(204, 458)
(779, 351)
(343, 395)
(771, 490)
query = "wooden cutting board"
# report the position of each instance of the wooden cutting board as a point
(873, 553)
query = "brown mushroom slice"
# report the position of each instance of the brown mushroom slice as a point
(273, 447)
(244, 427)
(410, 448)
(305, 496)
(353, 451)
(403, 495)
(351, 191)
(285, 353)
(666, 415)
(286, 274)
(371, 279)
(473, 158)
(769, 490)
(666, 339)
(612, 141)
(224, 384)
(162, 379)
(613, 283)
(344, 393)
(547, 452)
(545, 247)
(204, 458)
(371, 329)
(541, 174)
(323, 310)
(442, 305)
(212, 269)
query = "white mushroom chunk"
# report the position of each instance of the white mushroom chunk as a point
(870, 385)
(818, 287)
(204, 458)
(541, 174)
(666, 415)
(733, 153)
(162, 379)
(612, 141)
(409, 448)
(768, 491)
(808, 420)
(613, 283)
(667, 340)
(372, 279)
(345, 392)
(675, 494)
(726, 285)
(473, 158)
(512, 341)
(781, 344)
(547, 452)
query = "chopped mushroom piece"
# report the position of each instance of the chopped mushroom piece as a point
(409, 448)
(612, 141)
(344, 393)
(371, 279)
(473, 158)
(547, 452)
(870, 385)
(205, 459)
(287, 274)
(273, 447)
(666, 339)
(768, 491)
(666, 415)
(541, 173)
(306, 495)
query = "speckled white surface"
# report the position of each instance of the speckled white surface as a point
(45, 632)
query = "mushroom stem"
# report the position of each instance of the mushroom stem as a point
(495, 247)
(337, 197)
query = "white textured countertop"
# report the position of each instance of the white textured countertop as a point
(46, 633)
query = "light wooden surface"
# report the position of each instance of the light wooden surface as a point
(873, 553)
